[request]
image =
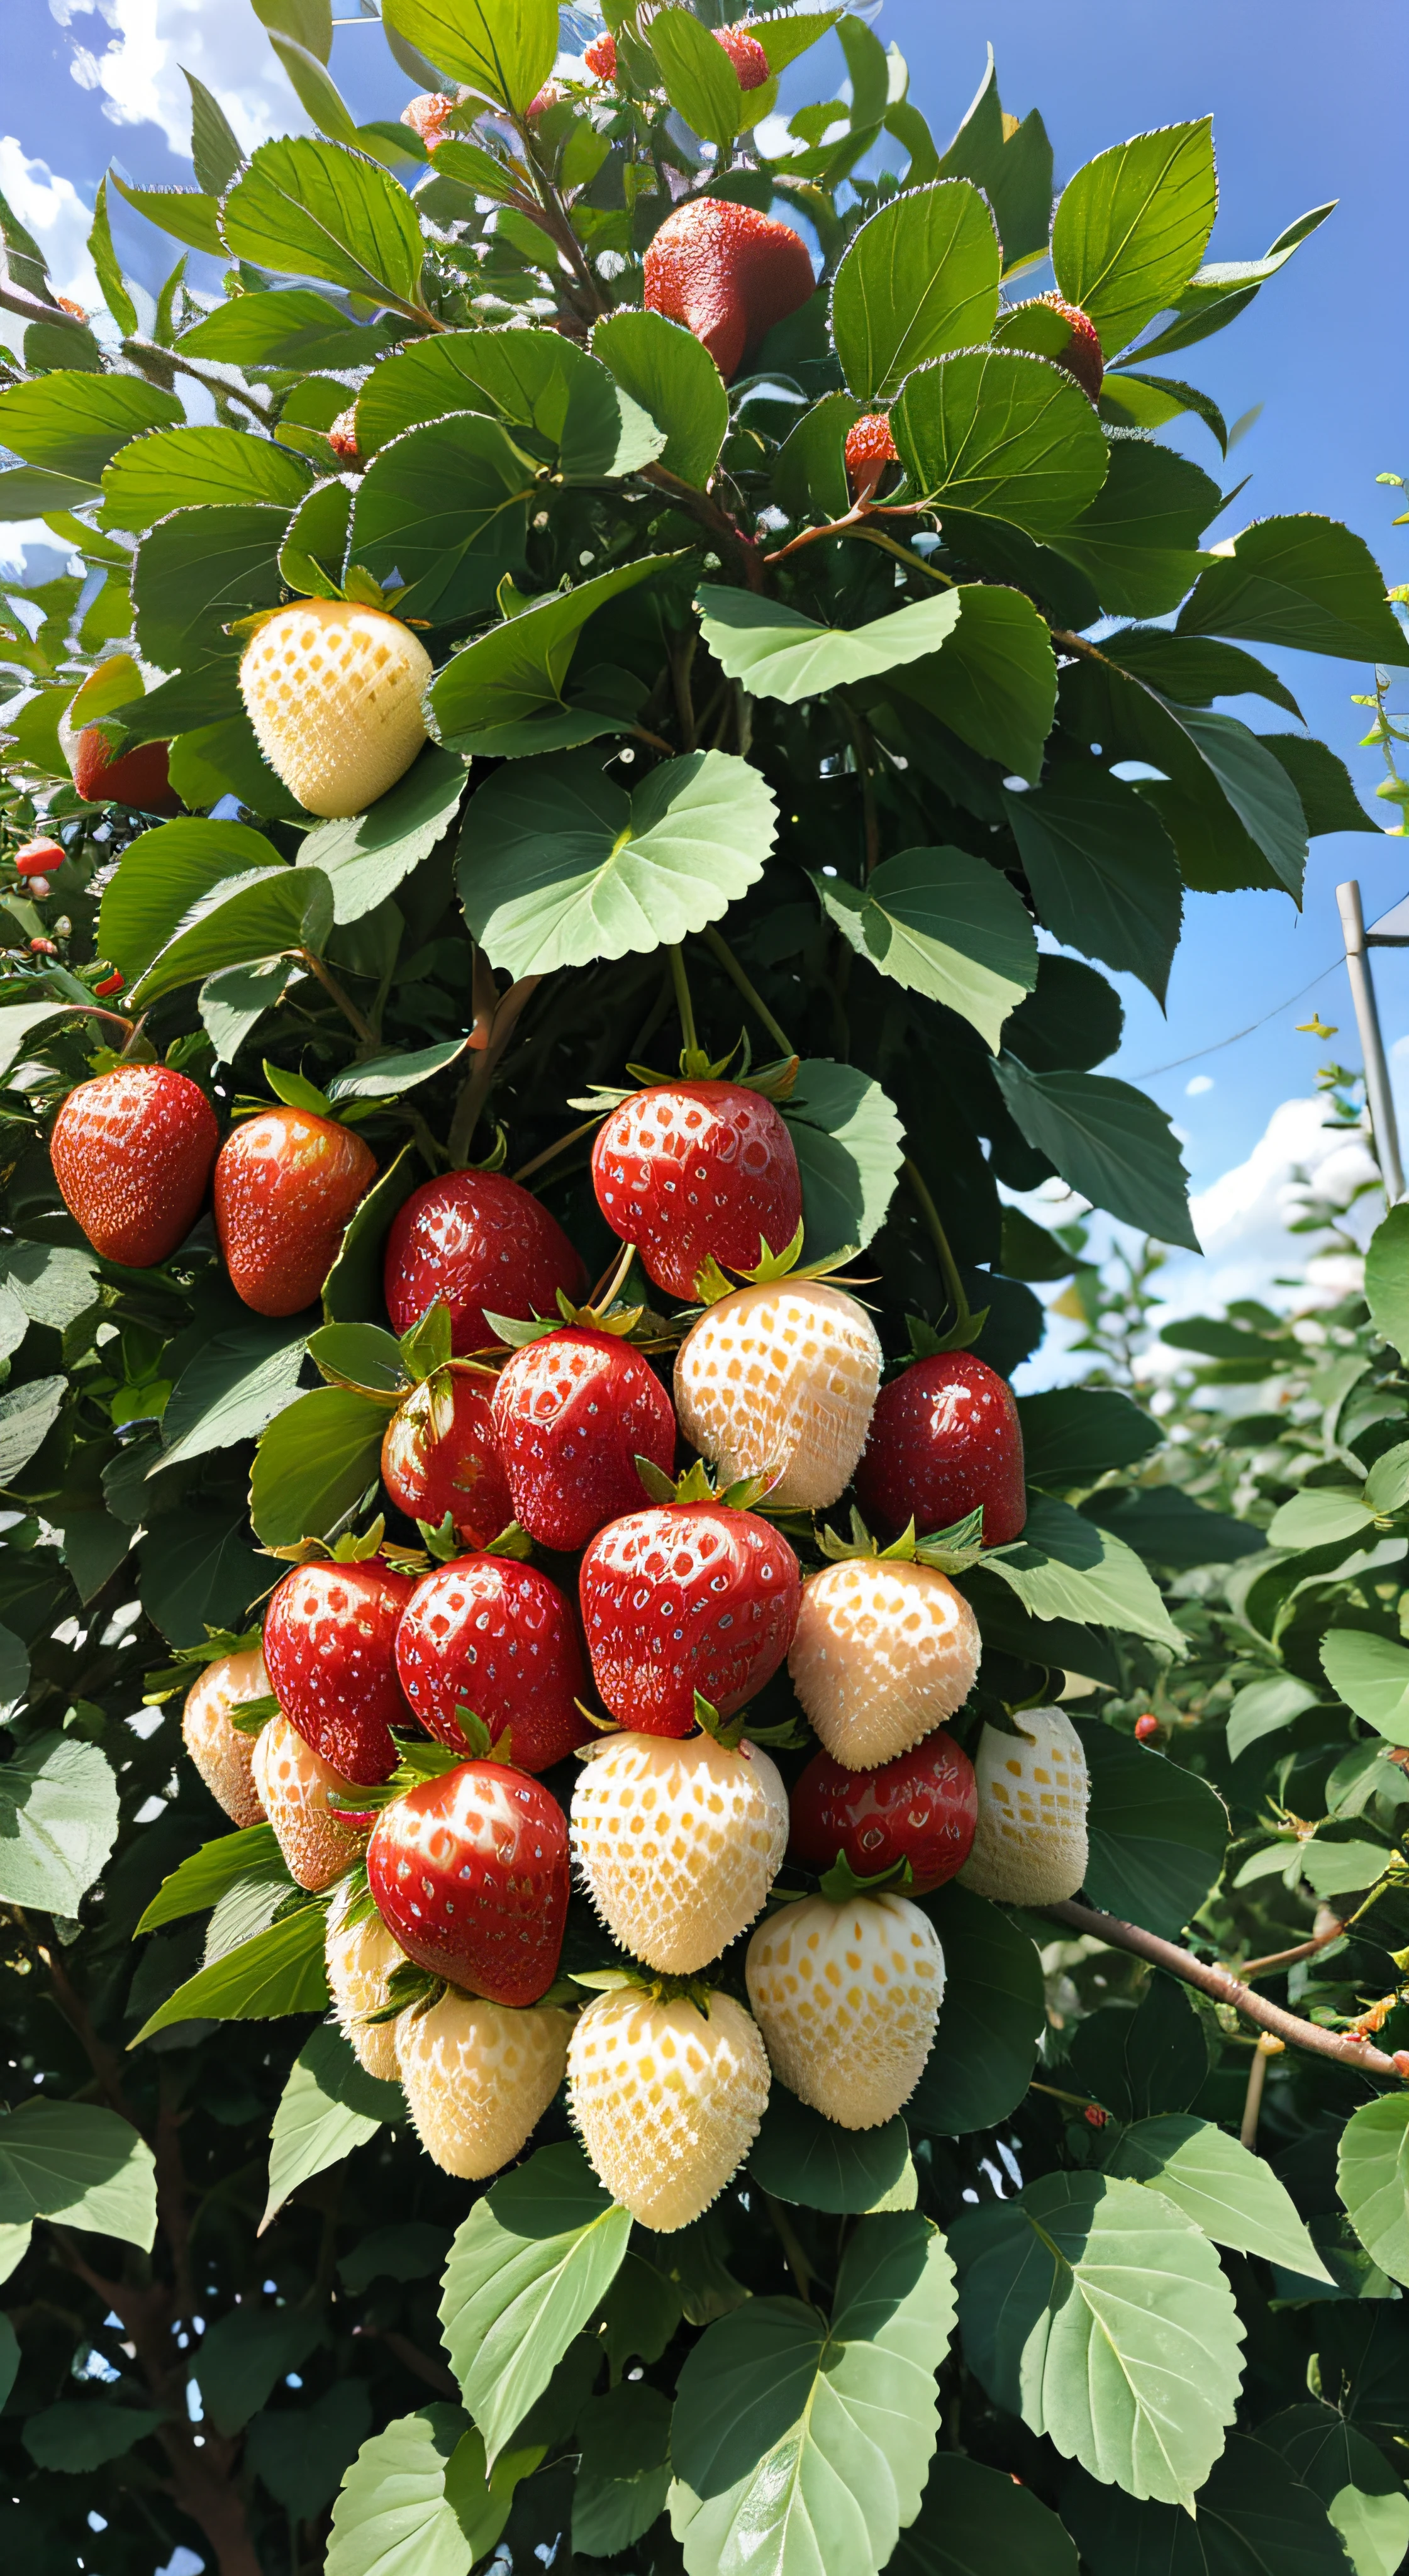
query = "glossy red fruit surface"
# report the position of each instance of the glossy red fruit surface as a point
(138, 778)
(600, 58)
(494, 1636)
(440, 1455)
(689, 1597)
(728, 273)
(870, 448)
(285, 1185)
(39, 858)
(475, 1239)
(686, 1169)
(945, 1436)
(330, 1652)
(132, 1152)
(922, 1807)
(470, 1874)
(745, 53)
(572, 1413)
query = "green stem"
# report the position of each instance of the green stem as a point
(720, 949)
(335, 993)
(550, 1153)
(949, 1268)
(683, 1003)
(791, 2243)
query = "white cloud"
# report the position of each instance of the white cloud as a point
(1243, 1220)
(51, 208)
(1198, 1083)
(151, 41)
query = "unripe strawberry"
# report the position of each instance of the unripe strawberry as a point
(285, 1185)
(883, 1652)
(358, 1958)
(479, 2077)
(870, 448)
(296, 1789)
(678, 1843)
(686, 1170)
(224, 1756)
(728, 273)
(472, 1240)
(667, 2102)
(780, 1381)
(440, 1455)
(1030, 1841)
(334, 695)
(847, 1997)
(132, 1152)
(945, 1437)
(920, 1809)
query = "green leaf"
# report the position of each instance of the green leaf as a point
(352, 1291)
(1014, 170)
(231, 1389)
(1320, 1516)
(58, 1822)
(503, 50)
(208, 1874)
(801, 2157)
(1371, 1674)
(778, 653)
(85, 2435)
(1101, 869)
(1132, 226)
(242, 919)
(1372, 2175)
(301, 2453)
(79, 2165)
(308, 22)
(1227, 2191)
(990, 2020)
(1158, 1833)
(416, 2499)
(809, 470)
(28, 491)
(485, 698)
(1252, 2516)
(316, 90)
(674, 380)
(1264, 1708)
(285, 326)
(199, 1573)
(328, 2106)
(233, 1003)
(1108, 1141)
(942, 923)
(410, 2251)
(975, 2521)
(1003, 435)
(197, 572)
(918, 279)
(787, 2427)
(279, 1971)
(72, 423)
(850, 1146)
(443, 509)
(1137, 543)
(1387, 1278)
(1217, 293)
(27, 1416)
(1065, 1566)
(1302, 580)
(1323, 784)
(107, 266)
(161, 876)
(175, 469)
(245, 2354)
(624, 2472)
(1194, 669)
(314, 1463)
(1138, 401)
(385, 1077)
(313, 209)
(700, 81)
(995, 682)
(535, 380)
(1168, 1528)
(366, 857)
(1363, 2498)
(216, 149)
(188, 214)
(1143, 2063)
(210, 761)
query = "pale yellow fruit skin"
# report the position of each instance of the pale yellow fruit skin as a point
(781, 1380)
(679, 1843)
(359, 1958)
(479, 2078)
(881, 1655)
(1029, 1846)
(334, 695)
(847, 1998)
(295, 1785)
(667, 2102)
(222, 1755)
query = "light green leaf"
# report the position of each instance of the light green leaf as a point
(316, 90)
(1371, 1674)
(232, 1860)
(990, 2020)
(1108, 1141)
(1320, 1516)
(385, 1077)
(1264, 1708)
(86, 2434)
(58, 1822)
(72, 423)
(850, 1146)
(328, 2106)
(285, 326)
(415, 2501)
(188, 214)
(671, 376)
(161, 875)
(977, 2522)
(488, 693)
(28, 491)
(308, 22)
(995, 682)
(27, 1415)
(216, 149)
(1158, 1834)
(700, 81)
(1372, 2174)
(233, 1003)
(75, 2163)
(1302, 580)
(1101, 868)
(314, 1463)
(279, 1971)
(443, 509)
(503, 50)
(534, 379)
(1227, 2191)
(776, 652)
(1387, 1277)
(1065, 1566)
(231, 1389)
(107, 266)
(1004, 435)
(242, 919)
(942, 923)
(624, 2471)
(919, 278)
(307, 208)
(799, 2156)
(175, 469)
(366, 857)
(1132, 226)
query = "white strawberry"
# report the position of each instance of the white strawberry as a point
(781, 1380)
(667, 2099)
(1029, 1846)
(297, 1789)
(334, 695)
(847, 1997)
(359, 1957)
(222, 1755)
(679, 1842)
(479, 2077)
(882, 1653)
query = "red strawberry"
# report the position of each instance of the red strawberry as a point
(692, 1168)
(572, 1413)
(944, 1437)
(690, 1597)
(330, 1649)
(600, 58)
(745, 53)
(1081, 354)
(440, 1455)
(132, 1153)
(921, 1808)
(728, 273)
(426, 116)
(496, 1637)
(470, 1874)
(285, 1185)
(869, 450)
(39, 858)
(137, 778)
(475, 1239)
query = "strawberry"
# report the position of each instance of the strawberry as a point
(678, 1843)
(688, 1169)
(137, 778)
(440, 1455)
(883, 1653)
(572, 1413)
(329, 1643)
(496, 1637)
(870, 448)
(728, 273)
(600, 58)
(286, 1183)
(1030, 1840)
(359, 1957)
(847, 1997)
(469, 1872)
(333, 692)
(686, 1598)
(479, 2078)
(298, 1791)
(475, 1240)
(745, 53)
(132, 1152)
(38, 859)
(1082, 355)
(221, 1753)
(342, 434)
(426, 115)
(667, 2099)
(945, 1437)
(920, 1808)
(779, 1381)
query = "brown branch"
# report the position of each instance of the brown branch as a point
(335, 993)
(422, 2365)
(707, 514)
(1289, 1958)
(476, 1087)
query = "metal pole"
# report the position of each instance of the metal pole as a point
(1383, 1124)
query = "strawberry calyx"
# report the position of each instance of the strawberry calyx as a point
(841, 1885)
(251, 1716)
(407, 1988)
(697, 1485)
(482, 1746)
(444, 1543)
(928, 1343)
(297, 1092)
(648, 1981)
(948, 1551)
(603, 1312)
(712, 1283)
(359, 587)
(187, 1661)
(729, 1736)
(776, 1081)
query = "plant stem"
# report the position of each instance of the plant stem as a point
(861, 744)
(683, 1003)
(791, 2243)
(550, 1153)
(1288, 1958)
(719, 948)
(949, 1268)
(475, 1089)
(682, 654)
(335, 993)
(1257, 2077)
(708, 514)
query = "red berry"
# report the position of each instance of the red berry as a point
(342, 434)
(691, 1168)
(494, 1636)
(944, 1437)
(43, 948)
(470, 1874)
(745, 53)
(869, 450)
(728, 273)
(1094, 2116)
(475, 1239)
(330, 1652)
(426, 116)
(38, 857)
(285, 1185)
(440, 1455)
(690, 1597)
(922, 1807)
(1146, 1727)
(572, 1414)
(1082, 356)
(132, 1152)
(110, 984)
(137, 778)
(600, 58)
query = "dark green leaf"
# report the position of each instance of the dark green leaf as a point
(1013, 168)
(300, 2452)
(799, 2156)
(72, 423)
(942, 923)
(1195, 669)
(975, 2522)
(1131, 227)
(1143, 2063)
(279, 1971)
(671, 376)
(1137, 543)
(1252, 2515)
(199, 1572)
(1002, 435)
(1108, 1141)
(850, 1146)
(312, 209)
(625, 2467)
(1352, 2479)
(918, 279)
(1303, 581)
(990, 2020)
(367, 857)
(995, 682)
(285, 326)
(1138, 401)
(107, 266)
(246, 2353)
(1101, 868)
(1168, 1528)
(1158, 1833)
(443, 509)
(329, 2106)
(485, 698)
(1217, 293)
(231, 1388)
(85, 2435)
(352, 1291)
(535, 380)
(1322, 782)
(314, 1463)
(197, 572)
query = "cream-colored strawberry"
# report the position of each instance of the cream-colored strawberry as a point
(847, 1997)
(297, 1789)
(334, 695)
(222, 1755)
(883, 1652)
(479, 2077)
(359, 1957)
(1029, 1845)
(679, 1843)
(781, 1381)
(667, 2100)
